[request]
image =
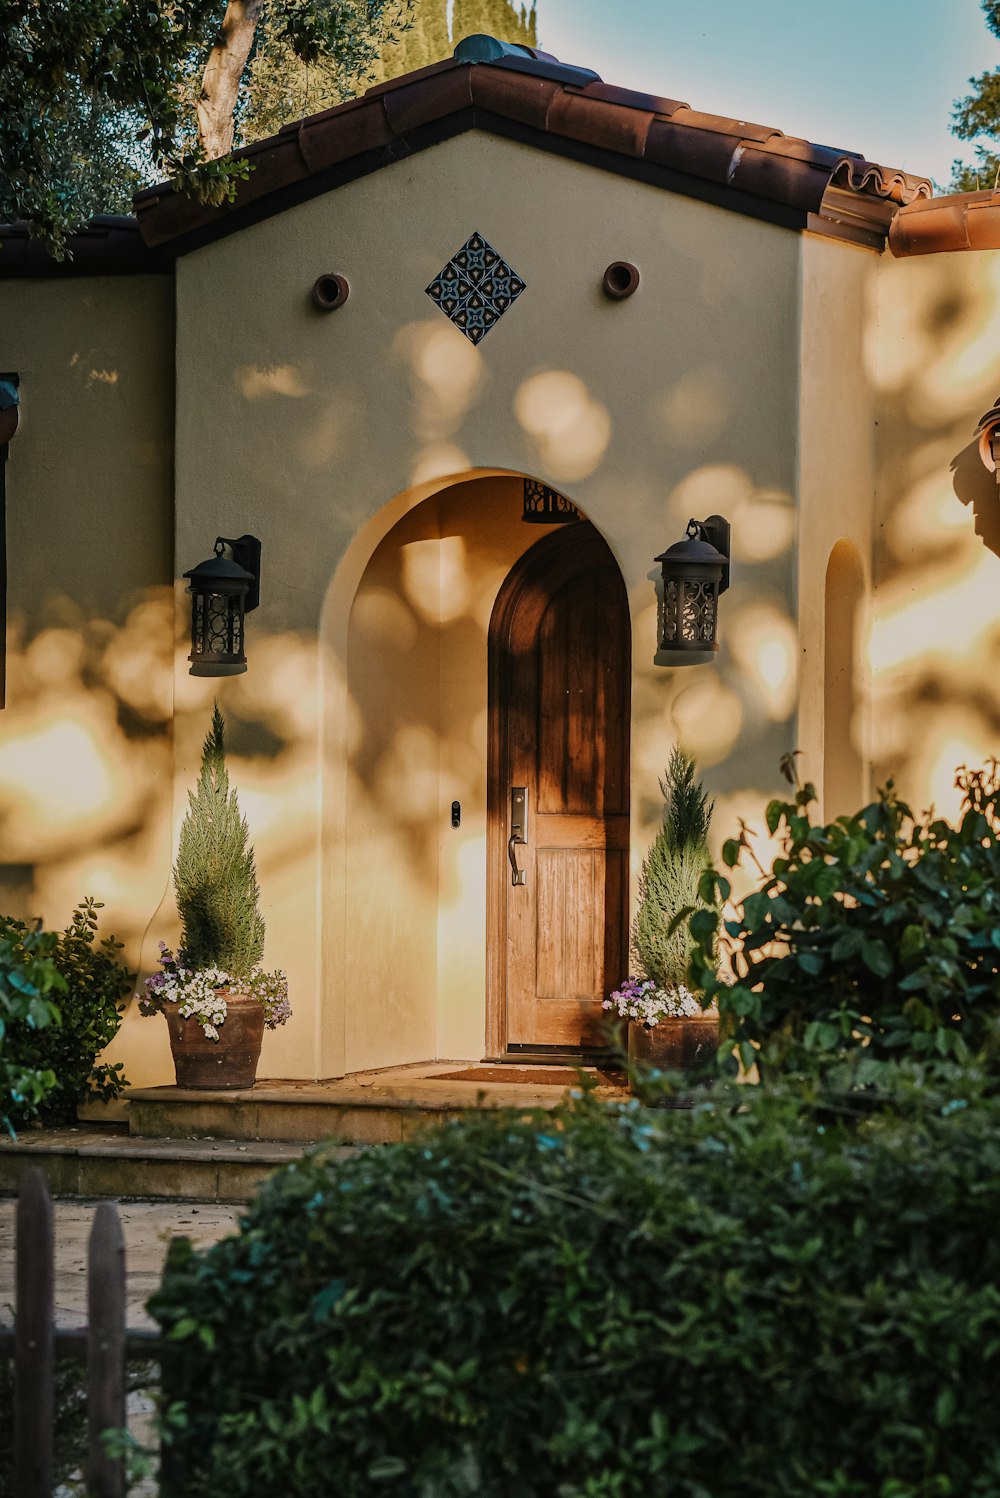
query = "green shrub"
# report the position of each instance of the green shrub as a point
(671, 874)
(27, 975)
(871, 938)
(215, 878)
(92, 991)
(749, 1299)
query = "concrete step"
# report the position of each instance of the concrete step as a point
(371, 1108)
(107, 1161)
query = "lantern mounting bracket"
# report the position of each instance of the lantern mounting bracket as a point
(246, 554)
(717, 531)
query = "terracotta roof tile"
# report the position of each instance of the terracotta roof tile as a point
(331, 137)
(960, 221)
(778, 177)
(595, 122)
(110, 245)
(417, 102)
(514, 96)
(632, 99)
(699, 153)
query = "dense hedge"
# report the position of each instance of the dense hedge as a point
(753, 1298)
(871, 938)
(90, 993)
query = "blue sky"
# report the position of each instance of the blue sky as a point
(876, 76)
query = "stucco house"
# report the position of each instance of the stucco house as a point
(495, 291)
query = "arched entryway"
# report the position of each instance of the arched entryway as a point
(410, 871)
(558, 812)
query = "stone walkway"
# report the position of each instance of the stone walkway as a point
(148, 1227)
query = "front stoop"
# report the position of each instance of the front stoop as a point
(95, 1162)
(218, 1146)
(370, 1108)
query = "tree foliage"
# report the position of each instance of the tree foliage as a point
(281, 86)
(214, 877)
(99, 97)
(97, 94)
(671, 874)
(977, 116)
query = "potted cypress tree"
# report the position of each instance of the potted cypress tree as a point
(214, 994)
(667, 1023)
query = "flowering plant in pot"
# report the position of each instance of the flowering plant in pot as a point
(668, 1025)
(214, 994)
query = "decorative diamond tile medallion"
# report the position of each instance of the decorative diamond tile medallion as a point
(475, 288)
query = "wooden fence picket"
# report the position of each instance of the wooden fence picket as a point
(34, 1342)
(105, 1343)
(105, 1350)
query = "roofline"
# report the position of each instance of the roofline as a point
(526, 96)
(109, 245)
(960, 221)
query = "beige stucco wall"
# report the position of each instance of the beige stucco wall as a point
(85, 740)
(835, 492)
(318, 432)
(934, 359)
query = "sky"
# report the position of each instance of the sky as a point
(875, 76)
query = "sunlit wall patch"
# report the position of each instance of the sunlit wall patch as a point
(475, 288)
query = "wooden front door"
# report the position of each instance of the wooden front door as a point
(560, 672)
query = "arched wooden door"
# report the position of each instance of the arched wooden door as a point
(560, 673)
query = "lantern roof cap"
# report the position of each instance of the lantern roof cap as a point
(220, 569)
(694, 550)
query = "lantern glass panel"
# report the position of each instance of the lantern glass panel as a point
(217, 621)
(698, 613)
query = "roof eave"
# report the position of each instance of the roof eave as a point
(751, 169)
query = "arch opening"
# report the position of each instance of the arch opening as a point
(405, 909)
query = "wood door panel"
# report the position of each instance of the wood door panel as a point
(566, 964)
(559, 708)
(558, 831)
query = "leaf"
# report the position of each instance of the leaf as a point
(812, 963)
(731, 849)
(846, 947)
(876, 957)
(912, 942)
(385, 1467)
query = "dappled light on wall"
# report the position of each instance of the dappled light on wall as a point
(85, 767)
(708, 719)
(764, 645)
(447, 375)
(435, 578)
(570, 429)
(257, 382)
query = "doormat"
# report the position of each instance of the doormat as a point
(538, 1076)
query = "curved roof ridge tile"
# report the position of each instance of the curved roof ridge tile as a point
(885, 182)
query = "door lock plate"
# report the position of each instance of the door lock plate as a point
(518, 830)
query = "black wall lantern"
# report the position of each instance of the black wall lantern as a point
(545, 506)
(695, 571)
(223, 591)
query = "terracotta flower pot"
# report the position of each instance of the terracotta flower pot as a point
(230, 1061)
(674, 1044)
